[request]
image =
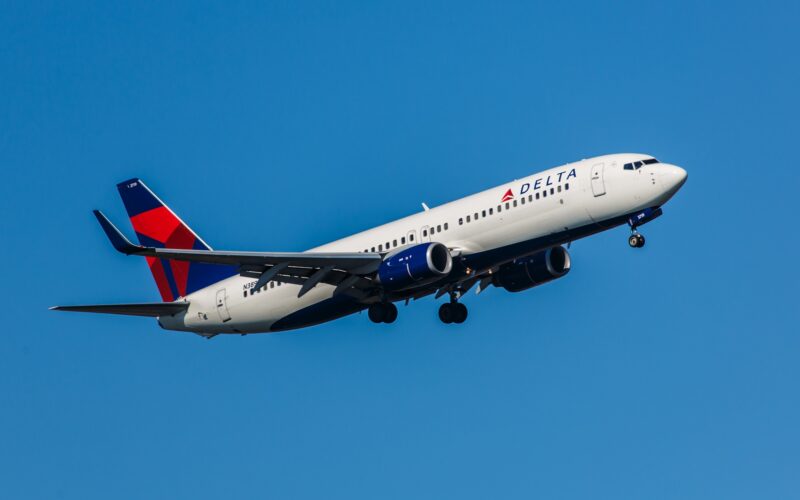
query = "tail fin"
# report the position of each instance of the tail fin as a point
(158, 226)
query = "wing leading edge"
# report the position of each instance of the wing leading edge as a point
(345, 270)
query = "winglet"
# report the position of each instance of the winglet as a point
(120, 242)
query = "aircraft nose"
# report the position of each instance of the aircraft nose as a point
(672, 177)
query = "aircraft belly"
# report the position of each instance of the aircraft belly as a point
(258, 312)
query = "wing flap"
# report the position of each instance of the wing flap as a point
(154, 309)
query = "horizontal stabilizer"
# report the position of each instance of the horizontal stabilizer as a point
(153, 309)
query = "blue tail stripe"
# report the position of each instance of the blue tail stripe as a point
(136, 197)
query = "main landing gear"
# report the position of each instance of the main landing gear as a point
(453, 311)
(636, 240)
(382, 312)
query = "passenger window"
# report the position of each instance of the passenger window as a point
(402, 240)
(394, 242)
(537, 196)
(411, 238)
(245, 294)
(566, 187)
(515, 203)
(544, 194)
(387, 246)
(491, 211)
(439, 228)
(373, 249)
(460, 221)
(559, 189)
(530, 198)
(476, 215)
(424, 232)
(522, 200)
(468, 219)
(508, 205)
(499, 208)
(445, 226)
(272, 284)
(433, 230)
(380, 248)
(552, 191)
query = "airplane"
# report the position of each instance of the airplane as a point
(510, 237)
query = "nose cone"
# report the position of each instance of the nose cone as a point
(671, 178)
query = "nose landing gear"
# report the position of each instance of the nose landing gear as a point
(636, 240)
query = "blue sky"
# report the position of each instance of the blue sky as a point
(665, 373)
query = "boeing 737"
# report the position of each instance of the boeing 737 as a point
(510, 237)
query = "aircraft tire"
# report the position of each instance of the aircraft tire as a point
(377, 312)
(460, 313)
(446, 313)
(391, 313)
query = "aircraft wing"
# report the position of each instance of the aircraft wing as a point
(346, 270)
(147, 309)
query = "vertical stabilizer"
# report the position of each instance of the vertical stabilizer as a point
(158, 226)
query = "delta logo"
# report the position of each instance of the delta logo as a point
(542, 182)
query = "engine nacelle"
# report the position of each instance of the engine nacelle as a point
(534, 270)
(415, 266)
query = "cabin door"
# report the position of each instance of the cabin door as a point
(598, 186)
(222, 306)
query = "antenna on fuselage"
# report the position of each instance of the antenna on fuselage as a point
(425, 207)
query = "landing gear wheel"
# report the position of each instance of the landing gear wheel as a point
(391, 313)
(377, 312)
(382, 312)
(453, 312)
(636, 240)
(460, 311)
(446, 313)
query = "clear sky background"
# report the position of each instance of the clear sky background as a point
(669, 372)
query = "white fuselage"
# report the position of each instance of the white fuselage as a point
(592, 194)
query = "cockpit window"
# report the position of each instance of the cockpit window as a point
(637, 164)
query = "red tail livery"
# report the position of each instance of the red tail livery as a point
(158, 226)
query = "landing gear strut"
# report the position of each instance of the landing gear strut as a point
(382, 312)
(636, 240)
(453, 311)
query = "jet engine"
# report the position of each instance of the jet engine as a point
(414, 266)
(533, 270)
